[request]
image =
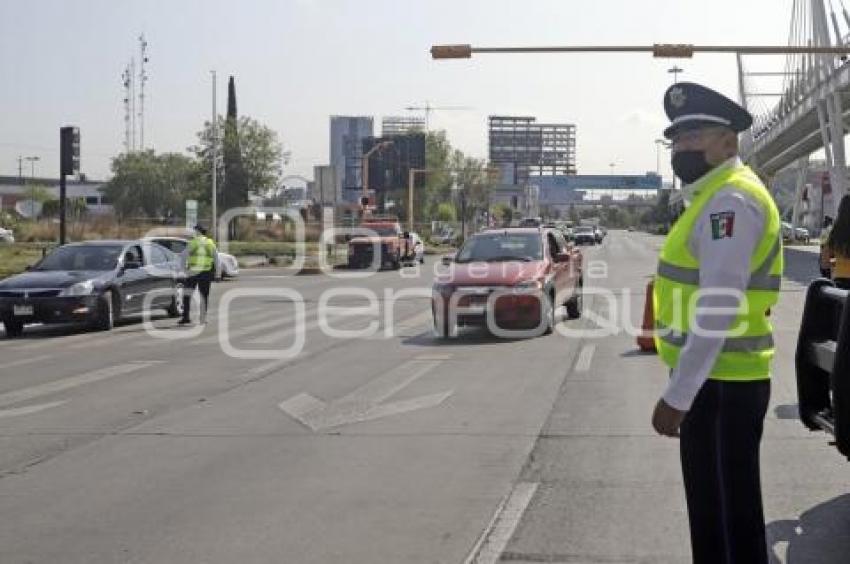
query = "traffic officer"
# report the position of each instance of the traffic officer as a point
(718, 276)
(200, 263)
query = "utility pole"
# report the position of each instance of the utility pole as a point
(126, 80)
(675, 72)
(143, 77)
(21, 169)
(133, 104)
(32, 160)
(214, 141)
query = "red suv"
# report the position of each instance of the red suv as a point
(508, 279)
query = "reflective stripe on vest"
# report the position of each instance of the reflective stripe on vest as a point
(749, 348)
(757, 343)
(201, 251)
(760, 279)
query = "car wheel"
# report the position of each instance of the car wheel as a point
(549, 312)
(106, 314)
(14, 328)
(575, 303)
(176, 307)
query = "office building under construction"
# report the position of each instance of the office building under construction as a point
(521, 147)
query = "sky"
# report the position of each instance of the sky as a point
(296, 62)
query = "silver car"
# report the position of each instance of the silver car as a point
(226, 265)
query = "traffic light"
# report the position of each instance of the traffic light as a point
(451, 51)
(69, 154)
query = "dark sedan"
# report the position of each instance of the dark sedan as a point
(96, 282)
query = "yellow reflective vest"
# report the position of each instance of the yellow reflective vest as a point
(201, 254)
(748, 347)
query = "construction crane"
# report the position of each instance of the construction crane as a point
(427, 108)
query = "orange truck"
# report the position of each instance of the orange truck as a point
(379, 234)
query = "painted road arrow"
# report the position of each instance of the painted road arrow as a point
(366, 402)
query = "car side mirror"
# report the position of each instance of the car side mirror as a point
(132, 264)
(563, 257)
(447, 260)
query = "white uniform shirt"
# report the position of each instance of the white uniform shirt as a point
(724, 265)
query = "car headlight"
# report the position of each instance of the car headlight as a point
(528, 285)
(78, 289)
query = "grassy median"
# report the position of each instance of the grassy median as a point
(15, 257)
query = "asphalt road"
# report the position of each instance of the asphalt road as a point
(386, 447)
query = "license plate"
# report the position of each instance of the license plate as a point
(22, 310)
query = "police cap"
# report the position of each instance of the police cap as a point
(692, 106)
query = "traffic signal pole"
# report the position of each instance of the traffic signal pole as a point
(69, 163)
(61, 208)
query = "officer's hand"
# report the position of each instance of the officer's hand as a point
(666, 419)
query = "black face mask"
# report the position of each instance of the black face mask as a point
(690, 165)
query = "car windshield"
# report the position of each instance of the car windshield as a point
(501, 247)
(173, 245)
(583, 229)
(93, 257)
(381, 230)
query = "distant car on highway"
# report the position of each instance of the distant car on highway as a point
(531, 222)
(96, 283)
(791, 233)
(585, 235)
(6, 236)
(532, 271)
(226, 265)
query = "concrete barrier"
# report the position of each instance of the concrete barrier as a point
(823, 363)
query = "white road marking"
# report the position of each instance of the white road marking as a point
(495, 537)
(15, 411)
(585, 357)
(364, 403)
(24, 361)
(26, 394)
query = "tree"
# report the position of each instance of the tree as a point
(445, 212)
(261, 153)
(503, 213)
(155, 186)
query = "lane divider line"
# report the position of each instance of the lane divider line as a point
(492, 542)
(24, 361)
(585, 357)
(26, 394)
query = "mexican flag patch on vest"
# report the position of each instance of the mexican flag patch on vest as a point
(722, 225)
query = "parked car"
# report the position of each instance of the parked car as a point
(791, 233)
(585, 234)
(226, 265)
(532, 272)
(6, 236)
(96, 283)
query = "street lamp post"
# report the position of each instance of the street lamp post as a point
(410, 181)
(365, 174)
(675, 72)
(32, 160)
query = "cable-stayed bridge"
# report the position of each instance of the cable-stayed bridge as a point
(810, 106)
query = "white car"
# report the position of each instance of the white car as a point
(6, 236)
(226, 266)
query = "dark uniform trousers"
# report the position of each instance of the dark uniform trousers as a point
(202, 281)
(719, 447)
